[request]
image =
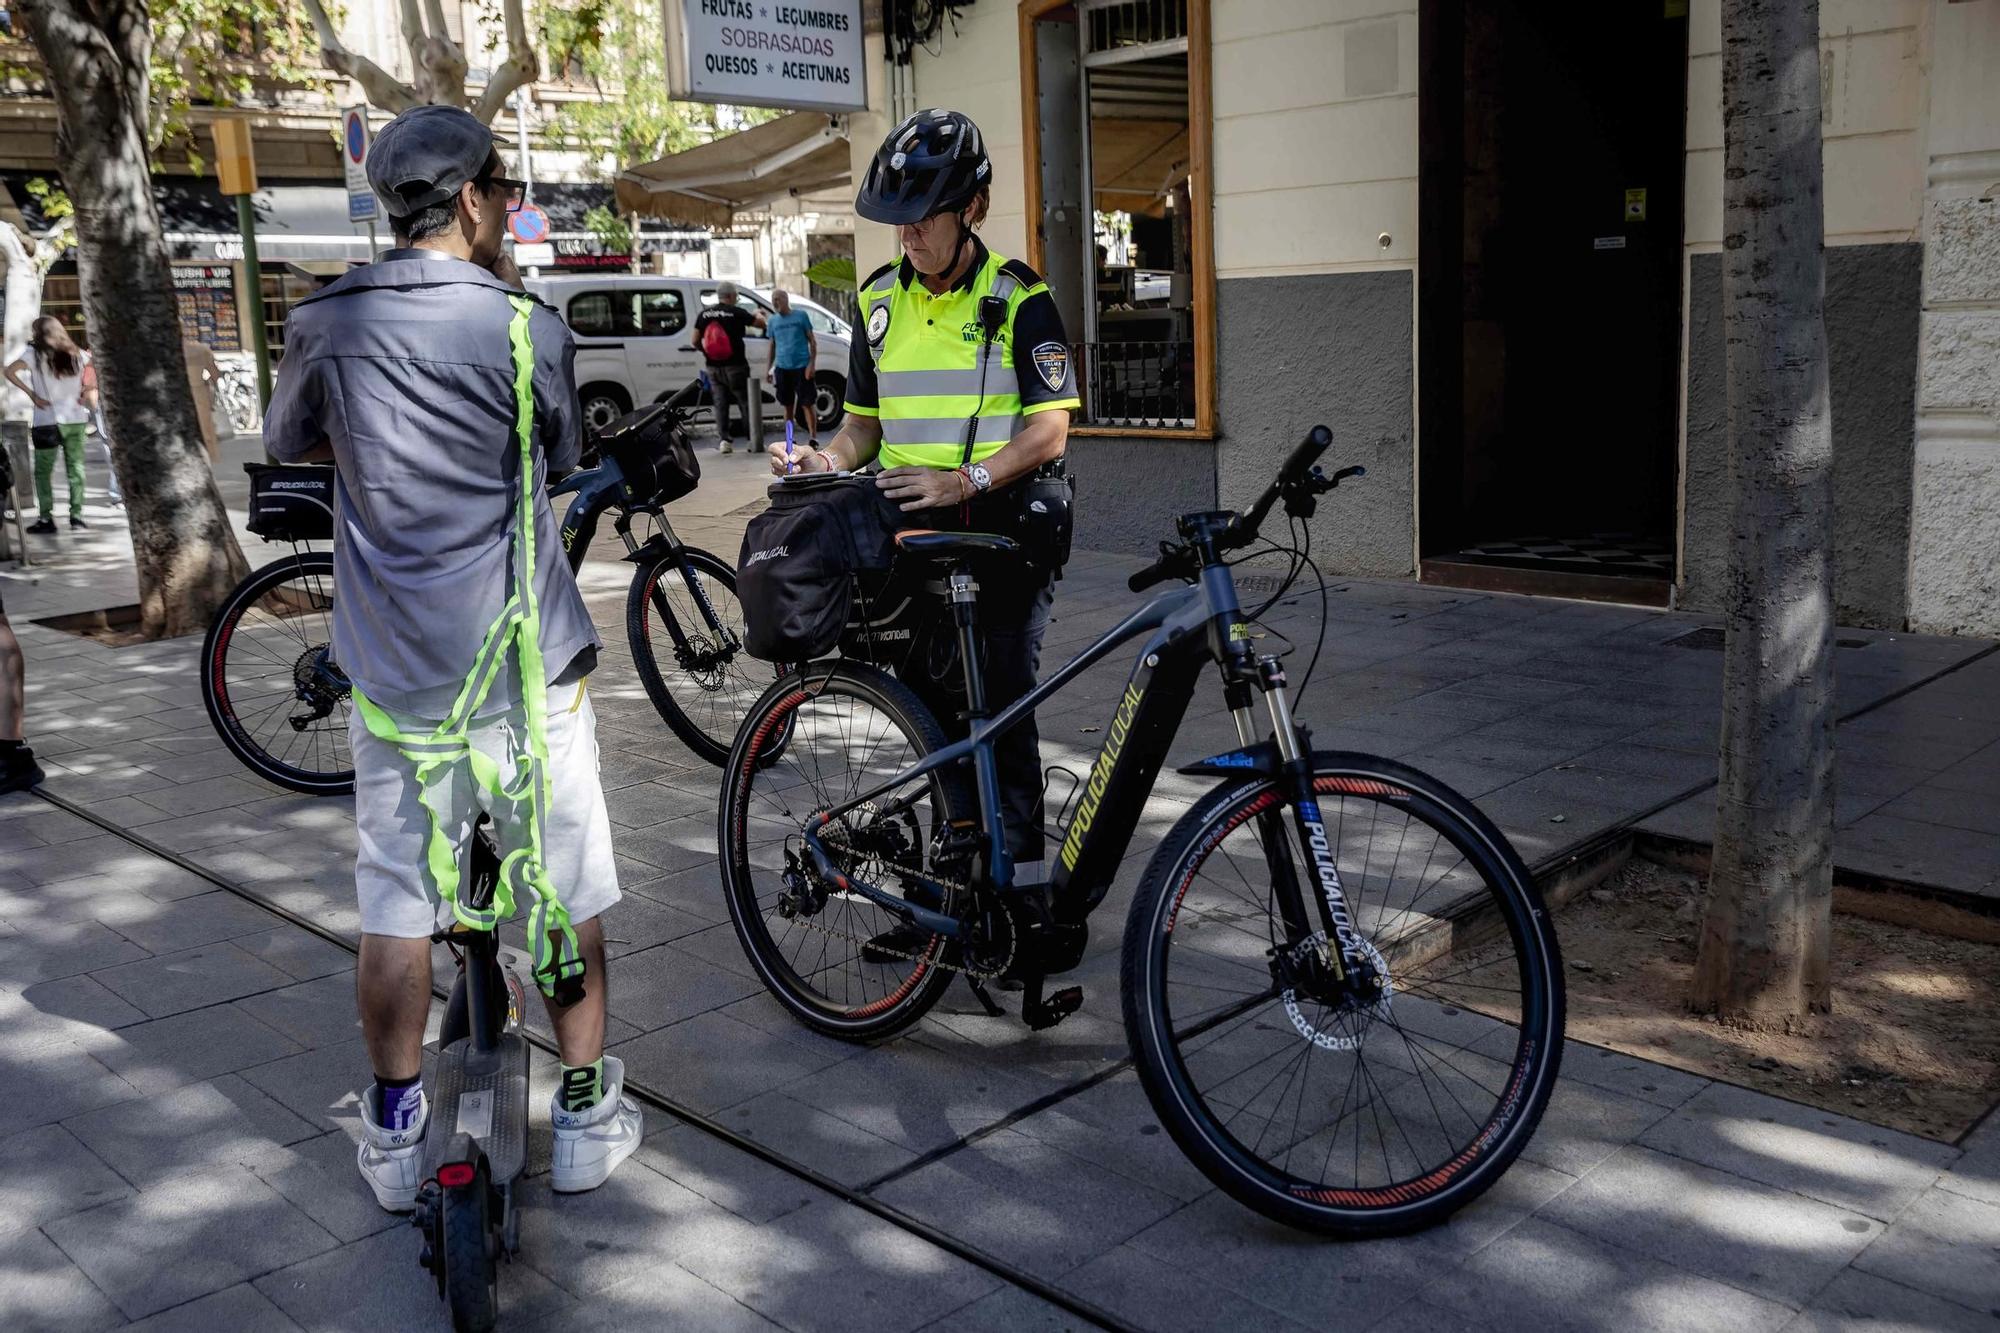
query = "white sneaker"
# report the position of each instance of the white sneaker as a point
(392, 1161)
(590, 1144)
(725, 448)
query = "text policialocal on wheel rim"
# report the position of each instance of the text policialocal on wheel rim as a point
(1364, 1101)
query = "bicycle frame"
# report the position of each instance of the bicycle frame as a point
(599, 488)
(1183, 626)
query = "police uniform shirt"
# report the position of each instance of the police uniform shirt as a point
(922, 366)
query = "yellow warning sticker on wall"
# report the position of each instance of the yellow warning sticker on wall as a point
(1635, 205)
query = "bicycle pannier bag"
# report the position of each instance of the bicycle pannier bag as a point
(795, 576)
(653, 452)
(291, 502)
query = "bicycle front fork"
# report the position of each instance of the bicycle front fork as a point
(1321, 936)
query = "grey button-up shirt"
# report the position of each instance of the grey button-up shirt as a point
(405, 367)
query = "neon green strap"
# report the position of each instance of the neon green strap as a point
(523, 789)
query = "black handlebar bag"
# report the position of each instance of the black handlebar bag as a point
(654, 454)
(795, 575)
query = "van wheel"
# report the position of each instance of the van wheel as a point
(829, 401)
(602, 405)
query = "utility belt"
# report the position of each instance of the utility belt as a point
(1038, 511)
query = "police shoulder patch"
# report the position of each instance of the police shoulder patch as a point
(1052, 364)
(878, 321)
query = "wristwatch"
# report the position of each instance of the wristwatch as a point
(981, 479)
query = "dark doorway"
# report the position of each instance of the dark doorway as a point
(1550, 305)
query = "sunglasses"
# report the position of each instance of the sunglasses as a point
(517, 191)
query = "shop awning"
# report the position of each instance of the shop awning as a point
(801, 152)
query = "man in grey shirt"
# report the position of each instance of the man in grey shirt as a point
(403, 374)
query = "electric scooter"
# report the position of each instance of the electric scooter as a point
(477, 1146)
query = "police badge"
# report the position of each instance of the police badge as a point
(878, 322)
(1052, 363)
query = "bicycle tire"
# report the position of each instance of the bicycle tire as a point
(220, 699)
(471, 1276)
(721, 695)
(1210, 1126)
(777, 714)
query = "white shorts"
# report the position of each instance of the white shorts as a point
(390, 883)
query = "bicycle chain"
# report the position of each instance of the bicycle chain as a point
(976, 974)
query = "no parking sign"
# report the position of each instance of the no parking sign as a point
(354, 157)
(528, 225)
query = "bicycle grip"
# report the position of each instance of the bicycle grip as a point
(1158, 572)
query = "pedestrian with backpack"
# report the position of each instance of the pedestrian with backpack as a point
(721, 332)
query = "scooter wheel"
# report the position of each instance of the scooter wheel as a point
(471, 1280)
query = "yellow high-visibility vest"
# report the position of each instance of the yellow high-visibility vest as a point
(934, 368)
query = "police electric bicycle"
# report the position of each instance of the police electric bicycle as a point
(280, 701)
(1341, 988)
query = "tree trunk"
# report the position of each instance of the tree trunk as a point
(1764, 941)
(186, 555)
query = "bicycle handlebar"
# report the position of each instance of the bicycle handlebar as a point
(1317, 441)
(1176, 561)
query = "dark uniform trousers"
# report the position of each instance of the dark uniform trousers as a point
(1012, 620)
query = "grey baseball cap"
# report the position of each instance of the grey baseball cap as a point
(423, 156)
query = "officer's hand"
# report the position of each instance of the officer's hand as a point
(922, 487)
(802, 458)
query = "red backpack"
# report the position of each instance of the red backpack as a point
(716, 343)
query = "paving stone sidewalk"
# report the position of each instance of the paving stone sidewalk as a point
(191, 1061)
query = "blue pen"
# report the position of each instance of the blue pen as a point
(791, 465)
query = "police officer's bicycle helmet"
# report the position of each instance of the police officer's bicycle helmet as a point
(934, 162)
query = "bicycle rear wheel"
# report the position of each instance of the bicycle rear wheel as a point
(269, 682)
(686, 630)
(817, 740)
(1356, 1116)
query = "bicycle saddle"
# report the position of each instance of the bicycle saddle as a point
(952, 547)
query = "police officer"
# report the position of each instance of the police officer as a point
(960, 389)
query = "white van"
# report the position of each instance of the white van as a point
(634, 341)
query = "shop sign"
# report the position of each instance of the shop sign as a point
(802, 54)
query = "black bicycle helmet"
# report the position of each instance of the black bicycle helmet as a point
(932, 163)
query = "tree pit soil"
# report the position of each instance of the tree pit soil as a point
(1913, 1042)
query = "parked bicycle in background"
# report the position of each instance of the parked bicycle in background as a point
(280, 702)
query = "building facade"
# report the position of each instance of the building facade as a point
(1482, 243)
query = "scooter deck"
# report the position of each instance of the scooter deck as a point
(486, 1095)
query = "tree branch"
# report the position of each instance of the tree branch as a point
(518, 70)
(380, 87)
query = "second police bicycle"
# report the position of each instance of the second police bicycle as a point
(276, 694)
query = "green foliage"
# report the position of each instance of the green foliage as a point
(613, 232)
(835, 274)
(618, 47)
(51, 198)
(224, 53)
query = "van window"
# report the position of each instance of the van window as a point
(659, 312)
(591, 315)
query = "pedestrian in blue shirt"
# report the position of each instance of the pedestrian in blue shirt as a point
(794, 358)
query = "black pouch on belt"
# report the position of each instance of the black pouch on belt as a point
(1048, 517)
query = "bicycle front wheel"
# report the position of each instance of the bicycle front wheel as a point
(269, 682)
(1366, 1109)
(686, 630)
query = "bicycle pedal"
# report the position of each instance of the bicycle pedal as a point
(1041, 1017)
